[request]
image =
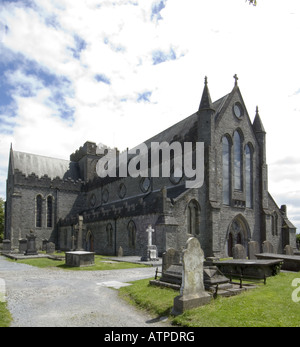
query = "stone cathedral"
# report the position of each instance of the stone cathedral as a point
(50, 196)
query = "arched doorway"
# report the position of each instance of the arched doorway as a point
(238, 233)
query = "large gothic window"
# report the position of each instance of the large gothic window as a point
(249, 176)
(193, 218)
(226, 170)
(38, 209)
(49, 212)
(237, 161)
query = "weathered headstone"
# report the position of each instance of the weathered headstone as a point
(239, 252)
(288, 250)
(6, 246)
(120, 252)
(192, 292)
(31, 245)
(44, 244)
(50, 247)
(253, 248)
(22, 246)
(267, 247)
(170, 257)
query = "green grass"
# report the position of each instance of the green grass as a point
(267, 306)
(101, 263)
(5, 317)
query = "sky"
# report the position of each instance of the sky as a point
(118, 72)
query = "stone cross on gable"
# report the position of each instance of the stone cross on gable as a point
(150, 231)
(79, 227)
(236, 79)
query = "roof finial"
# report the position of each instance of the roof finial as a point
(205, 80)
(236, 79)
(256, 110)
(205, 102)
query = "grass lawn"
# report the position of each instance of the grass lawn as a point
(5, 317)
(101, 263)
(267, 306)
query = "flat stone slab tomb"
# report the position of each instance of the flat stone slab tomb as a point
(290, 262)
(259, 269)
(80, 258)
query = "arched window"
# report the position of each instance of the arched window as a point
(109, 235)
(274, 224)
(49, 212)
(90, 241)
(193, 218)
(237, 161)
(38, 209)
(131, 234)
(226, 170)
(249, 176)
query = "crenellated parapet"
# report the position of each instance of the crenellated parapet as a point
(45, 181)
(89, 148)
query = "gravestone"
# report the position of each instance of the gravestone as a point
(288, 250)
(31, 246)
(213, 277)
(192, 292)
(239, 252)
(120, 252)
(267, 247)
(6, 246)
(22, 246)
(170, 257)
(44, 244)
(253, 248)
(149, 252)
(50, 247)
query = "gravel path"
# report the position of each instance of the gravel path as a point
(57, 298)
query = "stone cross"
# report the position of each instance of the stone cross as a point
(79, 227)
(236, 79)
(150, 231)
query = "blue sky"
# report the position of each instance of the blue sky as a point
(118, 72)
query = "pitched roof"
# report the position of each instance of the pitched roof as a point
(186, 128)
(28, 163)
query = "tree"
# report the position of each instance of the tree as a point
(1, 219)
(253, 2)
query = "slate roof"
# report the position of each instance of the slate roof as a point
(28, 163)
(186, 129)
